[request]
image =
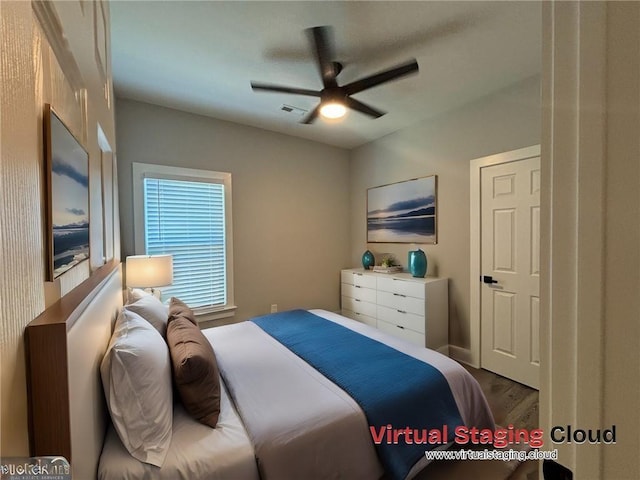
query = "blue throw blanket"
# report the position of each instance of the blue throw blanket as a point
(392, 388)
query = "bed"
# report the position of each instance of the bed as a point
(279, 417)
(297, 422)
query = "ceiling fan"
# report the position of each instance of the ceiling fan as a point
(335, 99)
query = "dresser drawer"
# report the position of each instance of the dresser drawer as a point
(404, 333)
(360, 317)
(399, 301)
(359, 306)
(361, 279)
(401, 287)
(404, 319)
(346, 276)
(359, 293)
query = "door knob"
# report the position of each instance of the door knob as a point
(488, 279)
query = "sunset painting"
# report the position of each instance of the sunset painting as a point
(403, 212)
(69, 200)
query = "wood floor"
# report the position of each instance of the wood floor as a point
(510, 403)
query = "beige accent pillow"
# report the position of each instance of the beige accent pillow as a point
(136, 376)
(195, 370)
(152, 310)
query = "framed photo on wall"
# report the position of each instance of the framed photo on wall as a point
(67, 205)
(403, 212)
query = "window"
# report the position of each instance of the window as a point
(186, 213)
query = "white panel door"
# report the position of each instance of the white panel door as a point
(510, 258)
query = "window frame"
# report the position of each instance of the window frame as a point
(148, 170)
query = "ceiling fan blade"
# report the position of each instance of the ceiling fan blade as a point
(354, 104)
(278, 88)
(311, 116)
(382, 77)
(323, 49)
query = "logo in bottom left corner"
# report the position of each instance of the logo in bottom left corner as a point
(34, 468)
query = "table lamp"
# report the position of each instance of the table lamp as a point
(149, 272)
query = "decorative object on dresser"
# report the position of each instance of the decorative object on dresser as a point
(149, 271)
(403, 212)
(67, 181)
(389, 269)
(418, 263)
(388, 265)
(415, 309)
(368, 260)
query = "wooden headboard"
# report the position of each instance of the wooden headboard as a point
(64, 349)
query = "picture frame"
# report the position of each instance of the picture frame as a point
(403, 212)
(107, 205)
(67, 200)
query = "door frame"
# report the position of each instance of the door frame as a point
(475, 285)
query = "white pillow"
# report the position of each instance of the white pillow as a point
(153, 311)
(136, 376)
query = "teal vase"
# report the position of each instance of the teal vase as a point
(368, 260)
(418, 263)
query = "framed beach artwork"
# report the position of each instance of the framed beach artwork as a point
(67, 171)
(403, 212)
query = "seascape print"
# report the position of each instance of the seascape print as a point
(69, 199)
(403, 212)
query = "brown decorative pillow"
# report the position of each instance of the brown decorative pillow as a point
(195, 370)
(177, 308)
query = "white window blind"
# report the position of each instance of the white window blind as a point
(187, 219)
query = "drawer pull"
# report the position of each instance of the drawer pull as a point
(401, 311)
(357, 299)
(400, 326)
(359, 274)
(400, 295)
(357, 286)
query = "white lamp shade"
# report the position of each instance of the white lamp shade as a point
(148, 271)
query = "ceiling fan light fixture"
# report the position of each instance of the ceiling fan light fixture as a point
(335, 98)
(333, 110)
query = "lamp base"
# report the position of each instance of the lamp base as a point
(156, 292)
(132, 297)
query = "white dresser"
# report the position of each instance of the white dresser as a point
(416, 309)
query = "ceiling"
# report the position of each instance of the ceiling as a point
(201, 56)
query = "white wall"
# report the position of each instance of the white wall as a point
(53, 62)
(290, 201)
(590, 211)
(507, 120)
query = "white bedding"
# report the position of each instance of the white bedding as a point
(197, 452)
(301, 424)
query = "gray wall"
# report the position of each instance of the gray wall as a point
(443, 146)
(290, 201)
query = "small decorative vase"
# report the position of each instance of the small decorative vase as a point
(417, 263)
(368, 260)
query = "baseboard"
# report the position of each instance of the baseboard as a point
(462, 355)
